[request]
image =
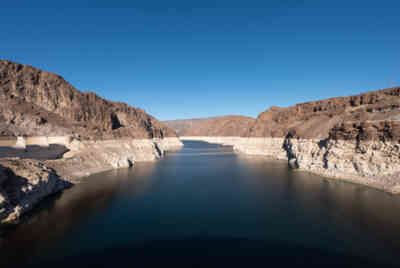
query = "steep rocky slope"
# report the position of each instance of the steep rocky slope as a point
(355, 138)
(230, 125)
(343, 117)
(92, 135)
(35, 102)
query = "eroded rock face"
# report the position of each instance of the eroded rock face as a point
(38, 103)
(372, 162)
(23, 184)
(88, 157)
(385, 130)
(369, 113)
(355, 138)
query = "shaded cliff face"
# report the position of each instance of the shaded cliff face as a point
(35, 102)
(23, 183)
(231, 125)
(370, 116)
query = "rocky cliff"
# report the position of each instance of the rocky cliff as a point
(230, 125)
(35, 103)
(91, 135)
(355, 138)
(365, 115)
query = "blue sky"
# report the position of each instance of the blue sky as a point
(177, 59)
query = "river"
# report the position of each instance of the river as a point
(203, 206)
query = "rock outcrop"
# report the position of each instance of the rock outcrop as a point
(354, 138)
(318, 119)
(373, 162)
(23, 183)
(89, 157)
(44, 117)
(39, 103)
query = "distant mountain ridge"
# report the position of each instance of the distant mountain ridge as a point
(229, 125)
(374, 115)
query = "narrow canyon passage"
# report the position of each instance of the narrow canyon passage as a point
(206, 205)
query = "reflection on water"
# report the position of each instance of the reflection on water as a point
(322, 208)
(203, 204)
(60, 214)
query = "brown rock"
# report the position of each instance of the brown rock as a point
(36, 102)
(373, 115)
(230, 125)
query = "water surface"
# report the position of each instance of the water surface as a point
(206, 206)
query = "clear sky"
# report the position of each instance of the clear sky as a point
(184, 59)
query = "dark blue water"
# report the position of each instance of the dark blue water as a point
(205, 206)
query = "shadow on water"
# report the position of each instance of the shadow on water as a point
(206, 206)
(61, 213)
(212, 252)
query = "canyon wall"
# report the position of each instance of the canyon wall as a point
(52, 134)
(372, 163)
(40, 103)
(355, 138)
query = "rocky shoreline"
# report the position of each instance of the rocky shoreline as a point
(44, 117)
(373, 163)
(52, 135)
(89, 157)
(354, 138)
(25, 182)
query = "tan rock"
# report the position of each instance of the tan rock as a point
(27, 182)
(221, 126)
(376, 164)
